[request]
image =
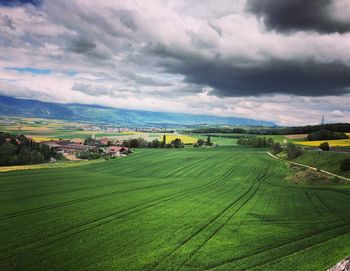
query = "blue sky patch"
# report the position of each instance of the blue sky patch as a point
(29, 69)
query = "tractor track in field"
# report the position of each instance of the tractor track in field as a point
(74, 190)
(267, 262)
(103, 220)
(307, 194)
(188, 212)
(210, 222)
(344, 227)
(71, 202)
(67, 203)
(224, 223)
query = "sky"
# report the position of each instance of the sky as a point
(286, 61)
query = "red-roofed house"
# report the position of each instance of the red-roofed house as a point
(104, 141)
(117, 151)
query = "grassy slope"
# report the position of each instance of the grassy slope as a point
(329, 161)
(190, 209)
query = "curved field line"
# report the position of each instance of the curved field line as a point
(203, 227)
(269, 248)
(109, 218)
(307, 194)
(71, 202)
(225, 222)
(267, 262)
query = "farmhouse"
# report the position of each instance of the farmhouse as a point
(77, 141)
(73, 148)
(117, 151)
(65, 146)
(56, 144)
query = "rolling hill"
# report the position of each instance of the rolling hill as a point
(100, 114)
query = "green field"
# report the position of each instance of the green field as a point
(329, 161)
(226, 208)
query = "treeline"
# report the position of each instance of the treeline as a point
(210, 130)
(255, 142)
(335, 127)
(326, 135)
(20, 150)
(155, 143)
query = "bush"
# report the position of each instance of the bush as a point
(292, 151)
(324, 146)
(276, 148)
(200, 142)
(345, 165)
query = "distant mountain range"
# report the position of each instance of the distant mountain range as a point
(124, 117)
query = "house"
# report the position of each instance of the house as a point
(65, 146)
(117, 151)
(77, 141)
(51, 144)
(73, 148)
(104, 141)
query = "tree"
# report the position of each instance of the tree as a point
(292, 150)
(276, 148)
(155, 143)
(208, 143)
(163, 142)
(200, 142)
(325, 146)
(177, 143)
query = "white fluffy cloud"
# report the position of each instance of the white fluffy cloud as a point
(209, 58)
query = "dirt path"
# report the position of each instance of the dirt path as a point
(309, 167)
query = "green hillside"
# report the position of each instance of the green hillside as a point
(225, 208)
(329, 161)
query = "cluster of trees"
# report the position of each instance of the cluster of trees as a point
(155, 143)
(201, 142)
(256, 142)
(276, 148)
(292, 150)
(326, 135)
(335, 127)
(20, 150)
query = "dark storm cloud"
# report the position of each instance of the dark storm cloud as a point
(296, 15)
(82, 45)
(15, 3)
(302, 78)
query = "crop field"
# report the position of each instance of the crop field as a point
(333, 143)
(226, 208)
(184, 138)
(51, 129)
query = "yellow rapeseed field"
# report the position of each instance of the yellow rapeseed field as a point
(332, 143)
(184, 138)
(41, 138)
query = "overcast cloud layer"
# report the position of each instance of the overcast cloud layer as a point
(283, 61)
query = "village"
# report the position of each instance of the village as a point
(90, 148)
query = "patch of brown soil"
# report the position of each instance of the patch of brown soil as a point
(296, 136)
(308, 176)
